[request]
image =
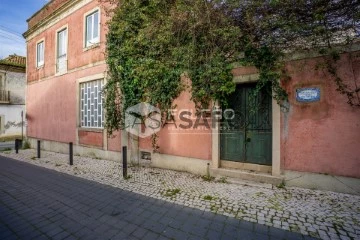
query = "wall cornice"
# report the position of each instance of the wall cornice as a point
(58, 14)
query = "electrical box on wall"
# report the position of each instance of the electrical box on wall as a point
(145, 155)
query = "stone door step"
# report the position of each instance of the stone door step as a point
(237, 174)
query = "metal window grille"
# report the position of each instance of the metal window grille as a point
(91, 104)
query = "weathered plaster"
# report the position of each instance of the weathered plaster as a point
(322, 137)
(11, 119)
(77, 59)
(15, 83)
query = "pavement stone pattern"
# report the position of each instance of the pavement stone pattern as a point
(37, 203)
(320, 214)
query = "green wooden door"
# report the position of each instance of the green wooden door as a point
(246, 131)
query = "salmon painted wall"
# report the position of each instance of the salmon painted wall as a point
(192, 143)
(322, 137)
(78, 56)
(51, 106)
(52, 100)
(114, 142)
(47, 10)
(91, 138)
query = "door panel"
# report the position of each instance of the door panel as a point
(247, 137)
(232, 147)
(258, 150)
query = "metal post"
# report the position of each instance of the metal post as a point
(124, 153)
(71, 153)
(22, 125)
(16, 146)
(38, 149)
(208, 170)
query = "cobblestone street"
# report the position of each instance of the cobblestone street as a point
(320, 214)
(37, 203)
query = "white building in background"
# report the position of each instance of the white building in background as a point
(12, 96)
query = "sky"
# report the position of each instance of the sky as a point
(13, 16)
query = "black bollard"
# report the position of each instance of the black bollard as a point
(17, 146)
(71, 153)
(124, 152)
(38, 149)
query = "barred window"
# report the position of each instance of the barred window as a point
(91, 104)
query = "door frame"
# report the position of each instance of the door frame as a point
(275, 169)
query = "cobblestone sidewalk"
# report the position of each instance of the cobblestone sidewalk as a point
(321, 214)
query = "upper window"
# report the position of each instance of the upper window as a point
(61, 64)
(2, 82)
(91, 104)
(4, 95)
(40, 54)
(92, 29)
(1, 124)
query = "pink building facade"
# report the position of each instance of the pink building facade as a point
(313, 144)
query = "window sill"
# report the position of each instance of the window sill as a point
(99, 130)
(95, 45)
(60, 73)
(40, 67)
